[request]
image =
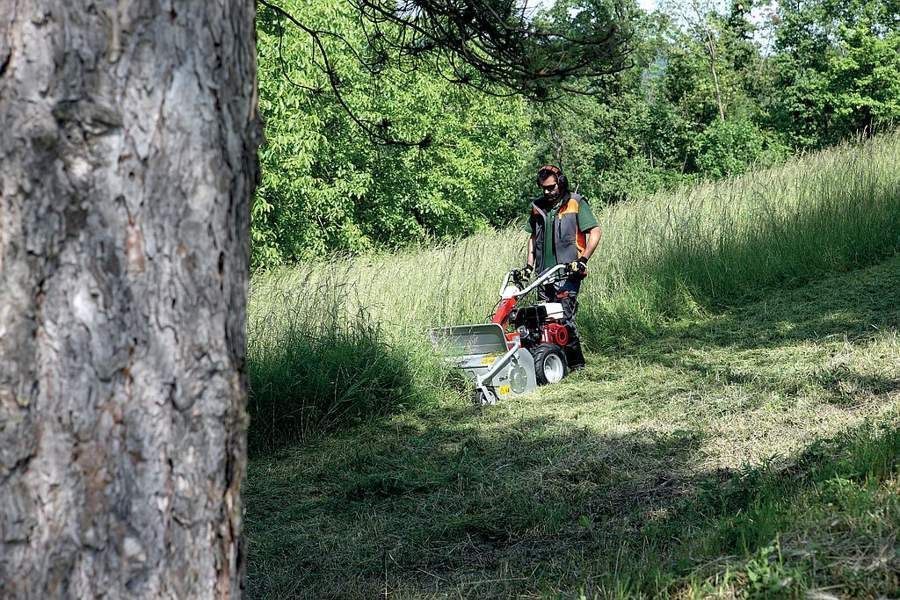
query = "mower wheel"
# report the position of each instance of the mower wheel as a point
(479, 399)
(550, 364)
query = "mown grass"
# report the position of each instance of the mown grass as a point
(336, 342)
(747, 451)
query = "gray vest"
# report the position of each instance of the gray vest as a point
(568, 240)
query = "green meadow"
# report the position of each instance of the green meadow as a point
(735, 433)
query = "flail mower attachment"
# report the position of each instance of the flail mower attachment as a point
(481, 352)
(522, 346)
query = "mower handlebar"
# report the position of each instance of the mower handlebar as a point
(551, 274)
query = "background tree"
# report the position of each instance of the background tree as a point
(706, 91)
(391, 123)
(421, 157)
(328, 186)
(838, 65)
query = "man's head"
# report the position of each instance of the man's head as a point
(552, 182)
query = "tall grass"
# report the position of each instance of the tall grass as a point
(718, 243)
(345, 338)
(315, 362)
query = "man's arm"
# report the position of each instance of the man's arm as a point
(529, 257)
(592, 240)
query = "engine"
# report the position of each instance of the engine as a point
(541, 323)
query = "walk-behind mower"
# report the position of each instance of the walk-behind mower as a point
(522, 346)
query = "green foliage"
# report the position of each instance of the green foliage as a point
(327, 187)
(838, 64)
(689, 109)
(621, 146)
(618, 149)
(703, 100)
(730, 147)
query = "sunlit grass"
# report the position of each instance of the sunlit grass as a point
(751, 452)
(339, 340)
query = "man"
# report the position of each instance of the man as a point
(563, 231)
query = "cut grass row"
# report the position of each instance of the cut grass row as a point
(751, 451)
(343, 340)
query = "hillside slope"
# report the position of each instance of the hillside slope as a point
(340, 340)
(751, 451)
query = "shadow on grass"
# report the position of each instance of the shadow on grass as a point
(524, 510)
(440, 503)
(447, 501)
(854, 305)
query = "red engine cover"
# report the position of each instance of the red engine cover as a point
(554, 333)
(503, 311)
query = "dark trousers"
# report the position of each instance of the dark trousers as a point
(566, 293)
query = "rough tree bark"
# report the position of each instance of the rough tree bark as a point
(128, 142)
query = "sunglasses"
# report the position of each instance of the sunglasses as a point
(550, 188)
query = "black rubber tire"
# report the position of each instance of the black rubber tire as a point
(541, 353)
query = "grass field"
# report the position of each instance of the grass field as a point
(736, 432)
(747, 452)
(337, 342)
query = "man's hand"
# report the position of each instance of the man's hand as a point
(578, 267)
(524, 274)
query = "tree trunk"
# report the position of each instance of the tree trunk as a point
(711, 51)
(128, 137)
